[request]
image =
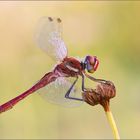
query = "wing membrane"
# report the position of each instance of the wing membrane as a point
(55, 92)
(49, 38)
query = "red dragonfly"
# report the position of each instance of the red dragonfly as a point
(56, 84)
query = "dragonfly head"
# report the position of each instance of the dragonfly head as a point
(91, 63)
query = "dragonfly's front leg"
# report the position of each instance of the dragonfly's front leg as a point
(67, 95)
(83, 83)
(96, 80)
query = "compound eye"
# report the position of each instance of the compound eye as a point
(91, 63)
(92, 60)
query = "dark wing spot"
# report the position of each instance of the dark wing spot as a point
(59, 20)
(50, 19)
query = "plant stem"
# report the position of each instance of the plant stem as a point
(112, 124)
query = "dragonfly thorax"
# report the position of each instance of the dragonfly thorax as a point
(73, 64)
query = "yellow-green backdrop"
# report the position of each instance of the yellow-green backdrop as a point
(109, 30)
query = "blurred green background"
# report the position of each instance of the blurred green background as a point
(109, 30)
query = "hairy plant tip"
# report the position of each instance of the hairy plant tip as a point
(101, 95)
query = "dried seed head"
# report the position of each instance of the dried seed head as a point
(106, 90)
(101, 95)
(91, 97)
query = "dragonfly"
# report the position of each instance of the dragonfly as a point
(48, 37)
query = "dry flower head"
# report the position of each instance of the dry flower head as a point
(101, 95)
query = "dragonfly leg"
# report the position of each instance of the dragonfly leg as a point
(96, 80)
(83, 83)
(67, 95)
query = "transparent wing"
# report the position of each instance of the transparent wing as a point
(55, 92)
(49, 38)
